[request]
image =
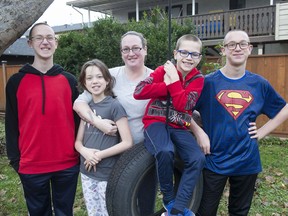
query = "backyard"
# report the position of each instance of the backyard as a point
(270, 199)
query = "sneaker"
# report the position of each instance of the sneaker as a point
(170, 205)
(188, 212)
(168, 208)
(167, 214)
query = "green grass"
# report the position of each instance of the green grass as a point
(270, 198)
(271, 195)
(12, 201)
(11, 194)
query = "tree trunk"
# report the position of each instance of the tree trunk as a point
(16, 17)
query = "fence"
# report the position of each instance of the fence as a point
(5, 72)
(272, 67)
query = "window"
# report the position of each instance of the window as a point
(189, 9)
(176, 11)
(237, 4)
(132, 15)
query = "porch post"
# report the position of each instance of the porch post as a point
(137, 11)
(89, 18)
(4, 76)
(260, 49)
(169, 28)
(193, 7)
(271, 2)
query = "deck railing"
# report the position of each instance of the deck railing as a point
(258, 21)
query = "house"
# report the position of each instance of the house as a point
(264, 20)
(20, 53)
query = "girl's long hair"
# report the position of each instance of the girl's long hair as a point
(105, 72)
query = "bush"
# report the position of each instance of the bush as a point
(102, 41)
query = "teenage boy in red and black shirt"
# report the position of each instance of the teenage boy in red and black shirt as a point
(40, 128)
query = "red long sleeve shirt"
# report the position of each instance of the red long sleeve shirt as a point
(40, 122)
(184, 94)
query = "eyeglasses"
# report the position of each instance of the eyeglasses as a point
(233, 45)
(134, 50)
(185, 53)
(40, 38)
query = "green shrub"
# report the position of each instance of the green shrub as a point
(102, 41)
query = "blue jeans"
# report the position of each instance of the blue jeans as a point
(161, 141)
(37, 193)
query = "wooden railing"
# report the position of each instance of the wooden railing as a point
(258, 21)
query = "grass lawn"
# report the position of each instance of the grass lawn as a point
(270, 198)
(271, 195)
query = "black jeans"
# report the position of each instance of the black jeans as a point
(37, 193)
(240, 197)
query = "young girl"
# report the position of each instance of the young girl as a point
(99, 151)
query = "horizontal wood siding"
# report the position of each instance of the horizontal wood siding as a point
(9, 71)
(281, 31)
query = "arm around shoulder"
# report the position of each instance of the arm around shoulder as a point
(83, 110)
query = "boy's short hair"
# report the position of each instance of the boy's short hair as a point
(37, 24)
(189, 37)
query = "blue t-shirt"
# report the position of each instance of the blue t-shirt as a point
(227, 106)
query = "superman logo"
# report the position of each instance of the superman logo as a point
(234, 101)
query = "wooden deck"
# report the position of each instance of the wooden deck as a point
(258, 22)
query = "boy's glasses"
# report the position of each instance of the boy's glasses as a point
(134, 50)
(194, 55)
(233, 45)
(40, 38)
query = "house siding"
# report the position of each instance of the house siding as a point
(281, 30)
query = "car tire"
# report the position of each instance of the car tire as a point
(127, 177)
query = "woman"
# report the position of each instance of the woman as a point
(133, 48)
